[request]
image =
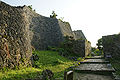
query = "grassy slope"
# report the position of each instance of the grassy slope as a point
(47, 60)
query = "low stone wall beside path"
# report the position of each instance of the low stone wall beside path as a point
(111, 45)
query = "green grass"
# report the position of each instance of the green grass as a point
(47, 60)
(19, 74)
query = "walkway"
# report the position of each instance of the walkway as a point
(95, 68)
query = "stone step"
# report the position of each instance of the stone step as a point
(95, 57)
(100, 72)
(95, 68)
(94, 61)
(106, 62)
(86, 76)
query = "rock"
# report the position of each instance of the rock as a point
(35, 57)
(47, 74)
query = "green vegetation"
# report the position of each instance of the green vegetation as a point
(47, 60)
(96, 52)
(116, 64)
(99, 50)
(66, 48)
(61, 19)
(99, 44)
(19, 74)
(30, 7)
(53, 15)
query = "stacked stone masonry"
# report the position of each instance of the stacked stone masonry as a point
(111, 45)
(22, 28)
(46, 31)
(79, 35)
(15, 47)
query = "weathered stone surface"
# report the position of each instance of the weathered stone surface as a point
(82, 76)
(111, 45)
(45, 31)
(87, 48)
(79, 35)
(94, 67)
(82, 47)
(95, 57)
(15, 47)
(20, 27)
(93, 71)
(95, 61)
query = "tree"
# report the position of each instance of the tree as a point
(99, 44)
(53, 15)
(30, 6)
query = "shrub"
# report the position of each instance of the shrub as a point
(53, 15)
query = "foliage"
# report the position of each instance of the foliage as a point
(96, 52)
(30, 7)
(99, 44)
(61, 19)
(52, 61)
(116, 64)
(66, 47)
(93, 49)
(53, 15)
(47, 60)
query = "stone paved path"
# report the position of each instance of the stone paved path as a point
(95, 68)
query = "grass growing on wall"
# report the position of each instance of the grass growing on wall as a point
(47, 60)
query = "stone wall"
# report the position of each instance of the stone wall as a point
(79, 35)
(111, 45)
(82, 48)
(87, 48)
(46, 31)
(15, 47)
(79, 48)
(20, 27)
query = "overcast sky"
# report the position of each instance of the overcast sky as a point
(95, 18)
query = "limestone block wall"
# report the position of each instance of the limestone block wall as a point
(78, 35)
(82, 48)
(45, 31)
(15, 47)
(79, 48)
(21, 28)
(65, 28)
(111, 45)
(87, 48)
